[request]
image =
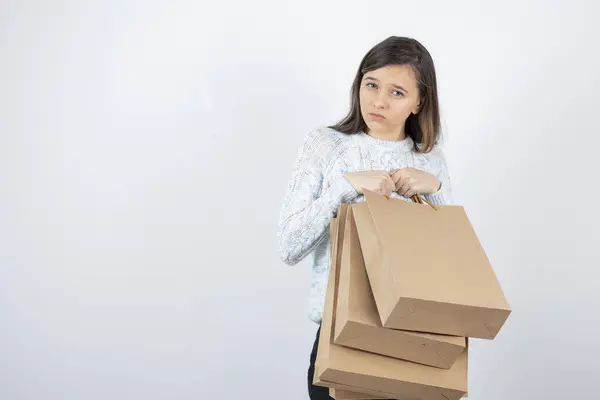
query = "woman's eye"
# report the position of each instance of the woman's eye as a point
(397, 93)
(371, 85)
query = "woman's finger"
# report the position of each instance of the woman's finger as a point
(400, 182)
(390, 186)
(404, 188)
(397, 176)
(410, 193)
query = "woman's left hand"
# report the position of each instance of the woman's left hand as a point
(411, 181)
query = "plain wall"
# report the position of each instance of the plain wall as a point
(145, 148)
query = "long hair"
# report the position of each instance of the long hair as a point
(424, 127)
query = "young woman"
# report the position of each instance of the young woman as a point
(388, 143)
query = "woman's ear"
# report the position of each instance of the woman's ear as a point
(417, 108)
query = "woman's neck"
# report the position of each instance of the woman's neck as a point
(391, 136)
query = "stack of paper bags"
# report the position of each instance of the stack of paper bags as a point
(409, 284)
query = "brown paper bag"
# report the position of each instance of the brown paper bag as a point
(340, 394)
(336, 244)
(357, 323)
(427, 269)
(354, 370)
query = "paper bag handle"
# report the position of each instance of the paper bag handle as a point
(420, 200)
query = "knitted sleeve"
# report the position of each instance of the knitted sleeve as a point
(308, 207)
(440, 168)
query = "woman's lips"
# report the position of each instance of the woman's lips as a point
(377, 117)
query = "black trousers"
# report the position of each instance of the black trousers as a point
(316, 392)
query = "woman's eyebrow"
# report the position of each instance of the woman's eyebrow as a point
(370, 78)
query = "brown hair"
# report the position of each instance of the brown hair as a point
(424, 127)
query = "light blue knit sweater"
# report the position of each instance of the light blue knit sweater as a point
(318, 186)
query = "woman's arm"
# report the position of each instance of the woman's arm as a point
(440, 168)
(307, 208)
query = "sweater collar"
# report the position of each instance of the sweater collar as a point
(404, 144)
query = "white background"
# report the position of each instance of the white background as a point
(145, 148)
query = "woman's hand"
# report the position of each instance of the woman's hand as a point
(411, 181)
(376, 181)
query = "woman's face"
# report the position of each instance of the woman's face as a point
(388, 96)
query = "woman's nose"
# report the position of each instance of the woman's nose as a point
(380, 100)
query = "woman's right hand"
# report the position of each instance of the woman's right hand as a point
(376, 181)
